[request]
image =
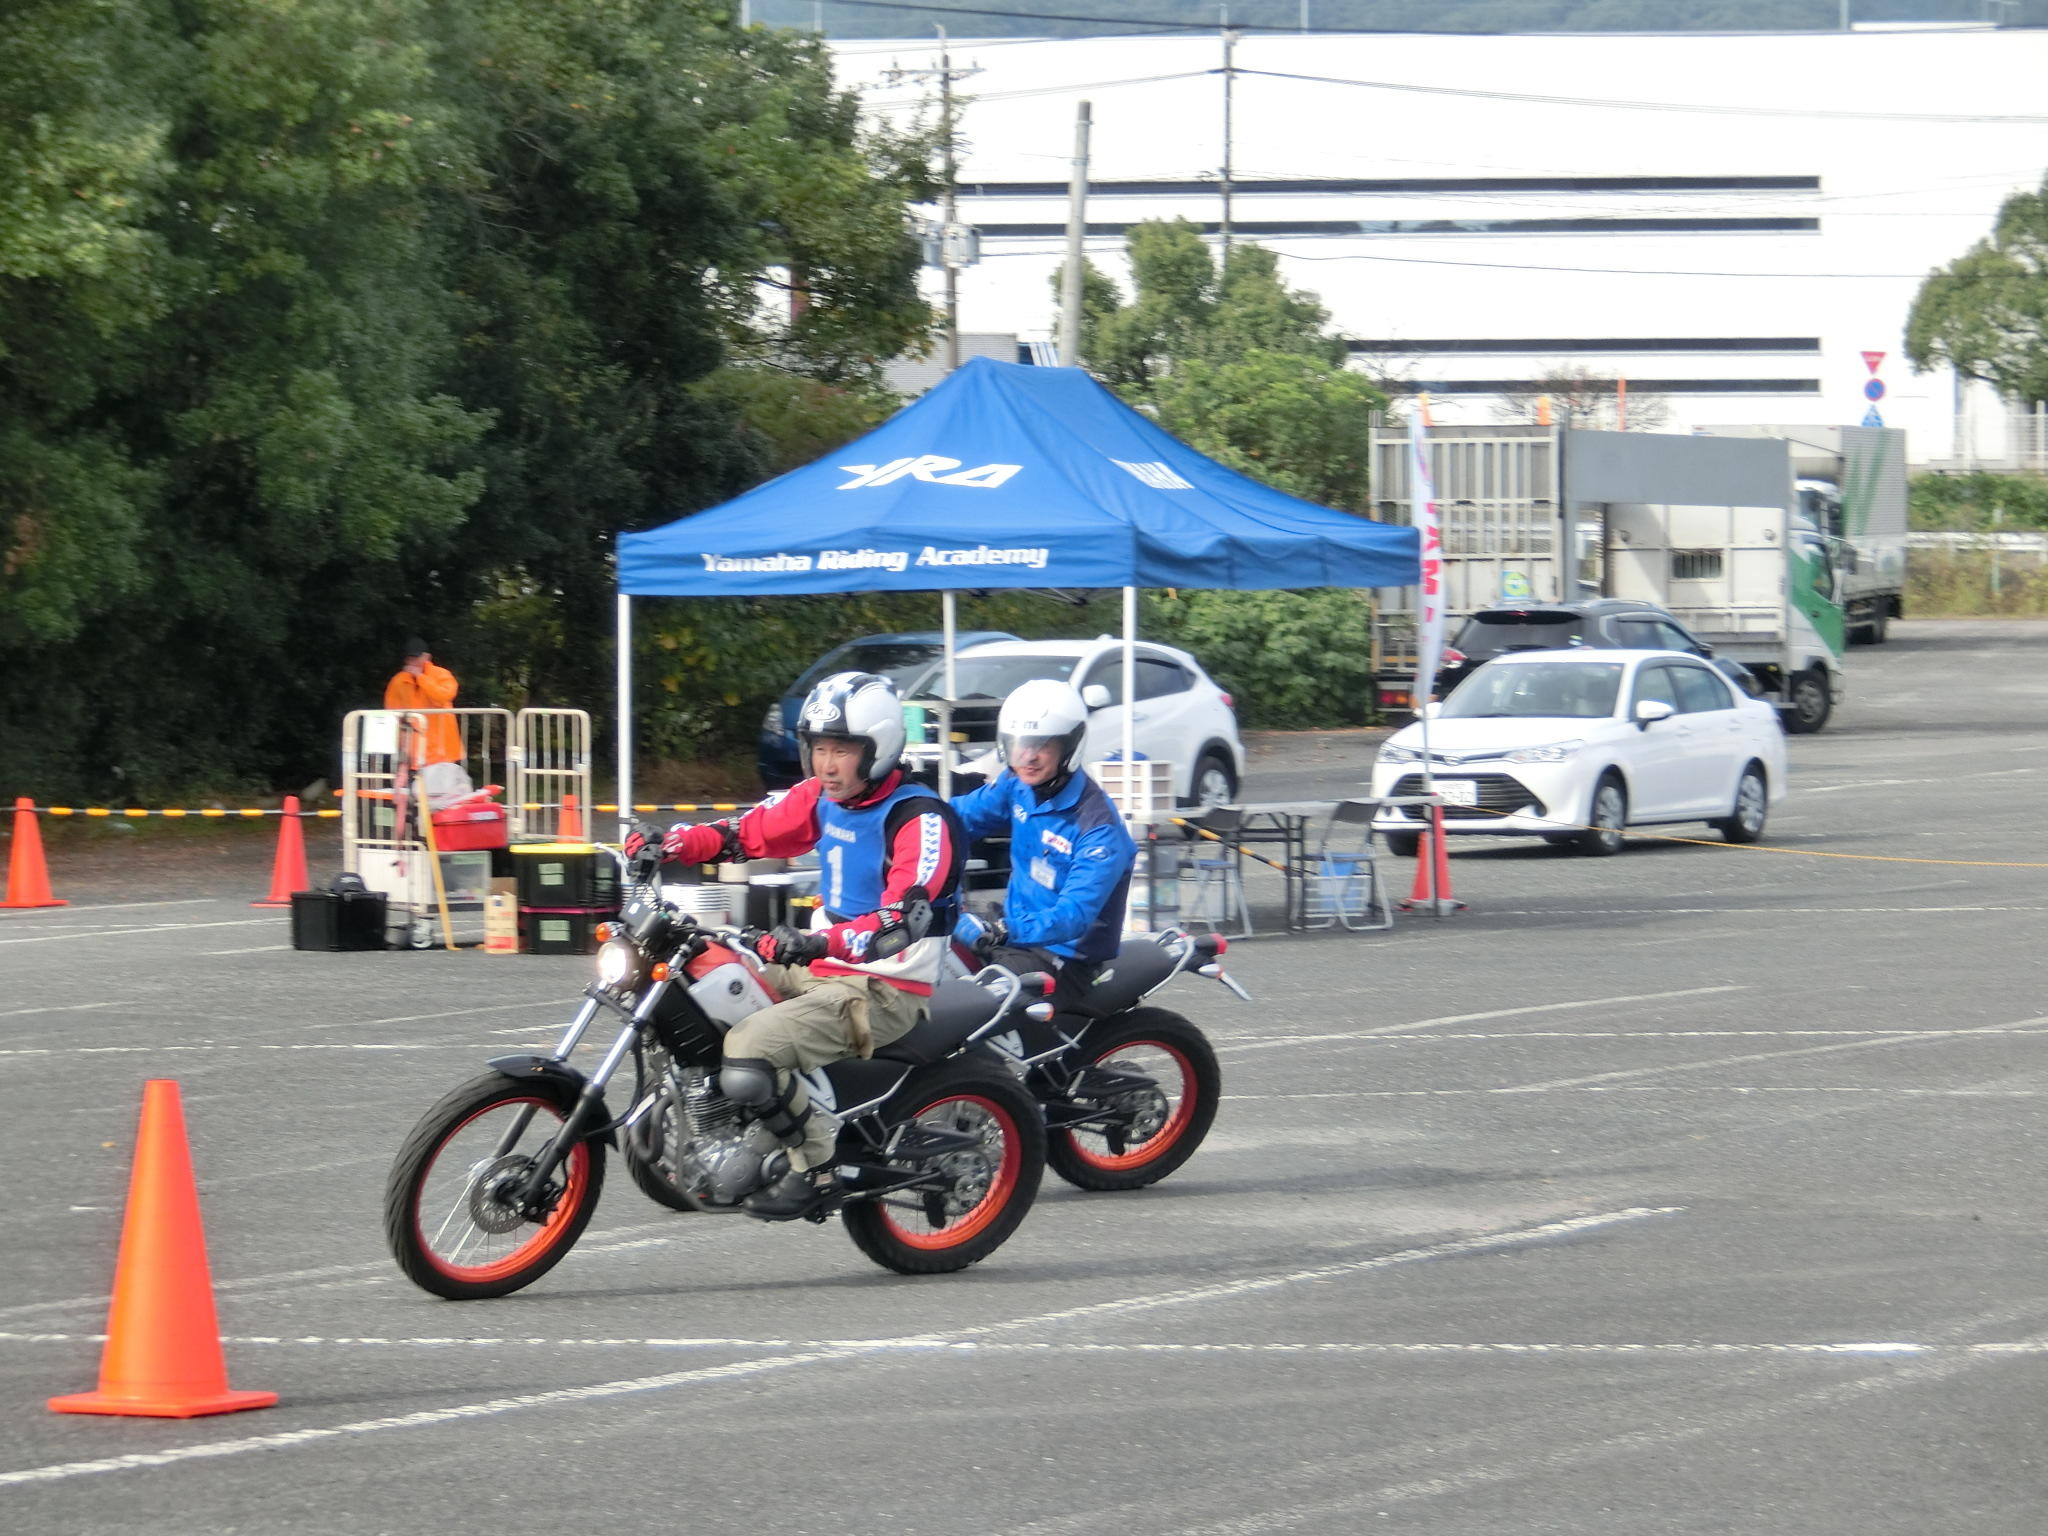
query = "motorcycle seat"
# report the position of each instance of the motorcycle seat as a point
(1138, 967)
(958, 1009)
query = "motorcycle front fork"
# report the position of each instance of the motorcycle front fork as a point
(533, 1185)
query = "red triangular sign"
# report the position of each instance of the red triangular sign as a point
(1872, 359)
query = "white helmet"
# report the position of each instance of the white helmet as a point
(855, 706)
(1043, 712)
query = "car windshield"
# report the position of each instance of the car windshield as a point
(1567, 690)
(994, 677)
(897, 660)
(1490, 634)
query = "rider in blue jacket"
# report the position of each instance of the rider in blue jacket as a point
(1070, 857)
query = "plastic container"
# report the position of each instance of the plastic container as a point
(560, 931)
(463, 828)
(565, 876)
(338, 920)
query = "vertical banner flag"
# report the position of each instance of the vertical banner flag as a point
(1429, 618)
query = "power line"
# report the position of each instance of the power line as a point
(1173, 25)
(1657, 106)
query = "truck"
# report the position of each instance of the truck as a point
(1852, 488)
(1710, 528)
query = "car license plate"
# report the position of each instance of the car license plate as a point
(1458, 791)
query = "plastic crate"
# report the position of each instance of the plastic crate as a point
(565, 876)
(560, 930)
(338, 920)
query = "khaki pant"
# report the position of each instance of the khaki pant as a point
(821, 1019)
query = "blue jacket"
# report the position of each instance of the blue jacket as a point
(1070, 863)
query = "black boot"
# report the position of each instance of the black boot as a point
(799, 1192)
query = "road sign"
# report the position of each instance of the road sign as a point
(1873, 390)
(1872, 419)
(1872, 359)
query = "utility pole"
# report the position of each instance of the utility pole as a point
(1077, 231)
(1229, 81)
(949, 210)
(949, 206)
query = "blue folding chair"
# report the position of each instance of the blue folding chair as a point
(1343, 886)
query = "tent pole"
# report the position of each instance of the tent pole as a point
(949, 618)
(1131, 702)
(625, 747)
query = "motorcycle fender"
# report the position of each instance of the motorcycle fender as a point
(557, 1072)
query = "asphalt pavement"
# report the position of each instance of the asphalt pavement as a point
(1693, 1190)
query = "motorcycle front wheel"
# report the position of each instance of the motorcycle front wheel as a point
(1144, 1133)
(448, 1214)
(983, 1192)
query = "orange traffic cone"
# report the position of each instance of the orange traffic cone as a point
(1432, 893)
(572, 818)
(162, 1359)
(28, 878)
(288, 869)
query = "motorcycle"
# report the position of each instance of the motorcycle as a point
(940, 1150)
(1127, 1092)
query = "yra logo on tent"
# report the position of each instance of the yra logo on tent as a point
(928, 467)
(1159, 476)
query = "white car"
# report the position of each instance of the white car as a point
(1574, 746)
(1183, 718)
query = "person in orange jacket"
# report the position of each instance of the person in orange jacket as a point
(419, 684)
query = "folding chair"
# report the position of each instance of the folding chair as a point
(1344, 887)
(1216, 894)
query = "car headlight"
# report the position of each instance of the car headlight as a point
(618, 963)
(771, 723)
(1556, 752)
(1389, 753)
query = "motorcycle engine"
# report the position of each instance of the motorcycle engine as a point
(721, 1162)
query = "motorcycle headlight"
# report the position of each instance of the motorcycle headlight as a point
(1557, 752)
(1389, 753)
(618, 963)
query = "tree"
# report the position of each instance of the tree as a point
(1244, 368)
(1579, 397)
(1986, 313)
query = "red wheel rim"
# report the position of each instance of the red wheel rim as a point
(1160, 1141)
(976, 1218)
(578, 1169)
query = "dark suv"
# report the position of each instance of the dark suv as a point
(1601, 623)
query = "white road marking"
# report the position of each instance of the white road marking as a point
(1753, 1056)
(1688, 1348)
(122, 933)
(1649, 1034)
(1738, 911)
(949, 1340)
(107, 906)
(1473, 1018)
(255, 949)
(1466, 1093)
(16, 1013)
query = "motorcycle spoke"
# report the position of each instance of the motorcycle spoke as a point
(976, 1179)
(1138, 1123)
(475, 1232)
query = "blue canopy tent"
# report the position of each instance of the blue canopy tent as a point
(1004, 476)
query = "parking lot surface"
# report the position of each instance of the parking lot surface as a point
(1693, 1190)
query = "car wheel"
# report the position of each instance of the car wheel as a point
(1403, 845)
(1807, 703)
(1603, 835)
(1752, 806)
(1213, 784)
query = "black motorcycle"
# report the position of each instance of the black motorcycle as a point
(940, 1152)
(1128, 1092)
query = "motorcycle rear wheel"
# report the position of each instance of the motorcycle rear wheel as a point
(449, 1228)
(991, 1190)
(1175, 1055)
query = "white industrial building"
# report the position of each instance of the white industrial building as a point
(1727, 221)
